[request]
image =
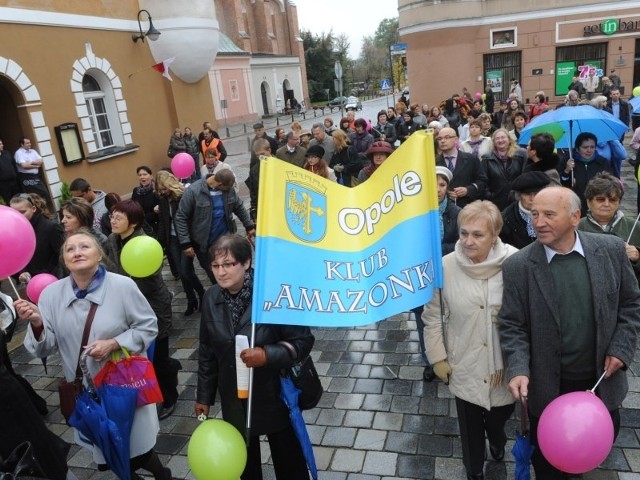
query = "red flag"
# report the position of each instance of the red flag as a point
(163, 67)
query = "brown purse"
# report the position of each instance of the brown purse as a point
(69, 391)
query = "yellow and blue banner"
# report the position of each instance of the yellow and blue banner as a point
(333, 256)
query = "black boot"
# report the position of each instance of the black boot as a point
(497, 453)
(475, 477)
(192, 306)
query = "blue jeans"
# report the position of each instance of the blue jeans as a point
(190, 281)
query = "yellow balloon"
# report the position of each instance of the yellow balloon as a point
(141, 256)
(636, 91)
(216, 451)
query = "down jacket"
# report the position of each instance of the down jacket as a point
(217, 365)
(469, 319)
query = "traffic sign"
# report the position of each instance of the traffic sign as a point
(385, 84)
(398, 49)
(338, 69)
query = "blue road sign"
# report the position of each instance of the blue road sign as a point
(385, 84)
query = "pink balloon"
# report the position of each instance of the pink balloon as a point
(182, 165)
(37, 284)
(17, 241)
(575, 433)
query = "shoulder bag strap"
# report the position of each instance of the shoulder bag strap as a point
(85, 335)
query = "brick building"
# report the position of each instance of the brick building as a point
(468, 43)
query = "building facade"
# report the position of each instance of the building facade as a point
(474, 43)
(73, 81)
(260, 69)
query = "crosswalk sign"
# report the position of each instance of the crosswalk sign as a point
(385, 84)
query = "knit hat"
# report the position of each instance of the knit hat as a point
(530, 182)
(315, 150)
(379, 147)
(444, 172)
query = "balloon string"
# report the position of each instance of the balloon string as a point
(598, 382)
(14, 288)
(633, 228)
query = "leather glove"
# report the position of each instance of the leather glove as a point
(443, 370)
(254, 357)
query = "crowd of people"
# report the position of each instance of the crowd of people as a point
(533, 243)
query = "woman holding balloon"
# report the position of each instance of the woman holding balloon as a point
(170, 191)
(49, 237)
(123, 318)
(226, 312)
(127, 218)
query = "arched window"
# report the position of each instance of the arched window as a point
(97, 102)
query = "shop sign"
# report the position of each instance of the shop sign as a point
(611, 27)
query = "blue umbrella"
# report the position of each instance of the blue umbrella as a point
(568, 122)
(289, 394)
(522, 448)
(635, 104)
(105, 417)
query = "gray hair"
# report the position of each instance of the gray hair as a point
(317, 125)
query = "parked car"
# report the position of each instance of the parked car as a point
(353, 104)
(336, 102)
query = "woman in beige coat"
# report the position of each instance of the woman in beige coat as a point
(467, 354)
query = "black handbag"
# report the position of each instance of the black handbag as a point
(305, 377)
(22, 463)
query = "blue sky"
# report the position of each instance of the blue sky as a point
(356, 18)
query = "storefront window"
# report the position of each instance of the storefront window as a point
(499, 69)
(578, 61)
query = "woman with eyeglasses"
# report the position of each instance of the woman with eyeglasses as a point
(226, 312)
(49, 236)
(127, 218)
(576, 173)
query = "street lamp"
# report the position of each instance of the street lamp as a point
(152, 34)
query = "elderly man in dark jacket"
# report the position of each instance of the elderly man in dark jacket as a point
(199, 224)
(570, 312)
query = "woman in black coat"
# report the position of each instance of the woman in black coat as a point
(586, 163)
(146, 196)
(226, 312)
(345, 161)
(126, 220)
(49, 236)
(503, 165)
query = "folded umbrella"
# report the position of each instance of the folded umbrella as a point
(566, 123)
(289, 394)
(105, 417)
(522, 449)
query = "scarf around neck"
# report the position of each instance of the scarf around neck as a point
(146, 190)
(94, 284)
(239, 302)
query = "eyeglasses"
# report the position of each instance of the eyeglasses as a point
(447, 137)
(117, 218)
(224, 266)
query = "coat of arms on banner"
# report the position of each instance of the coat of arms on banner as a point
(306, 207)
